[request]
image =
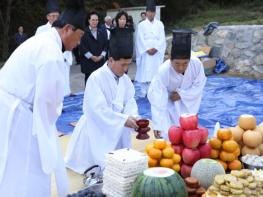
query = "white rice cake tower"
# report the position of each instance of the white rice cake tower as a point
(121, 169)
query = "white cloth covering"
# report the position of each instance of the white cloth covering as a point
(106, 107)
(31, 90)
(189, 86)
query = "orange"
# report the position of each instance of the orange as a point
(215, 143)
(225, 156)
(168, 152)
(167, 163)
(155, 153)
(230, 146)
(224, 134)
(176, 167)
(235, 165)
(176, 158)
(214, 154)
(237, 152)
(159, 144)
(152, 162)
(224, 164)
(148, 148)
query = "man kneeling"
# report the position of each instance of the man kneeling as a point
(109, 108)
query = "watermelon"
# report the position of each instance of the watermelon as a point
(159, 182)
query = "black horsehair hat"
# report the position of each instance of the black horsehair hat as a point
(181, 44)
(151, 5)
(121, 43)
(52, 6)
(74, 14)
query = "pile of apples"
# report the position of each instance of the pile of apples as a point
(190, 142)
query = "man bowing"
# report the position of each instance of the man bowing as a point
(31, 91)
(178, 86)
(109, 108)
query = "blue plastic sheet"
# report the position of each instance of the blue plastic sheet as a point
(224, 100)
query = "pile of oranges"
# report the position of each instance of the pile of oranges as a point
(161, 154)
(225, 150)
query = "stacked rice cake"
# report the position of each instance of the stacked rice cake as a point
(121, 169)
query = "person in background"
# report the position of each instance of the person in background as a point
(178, 86)
(106, 28)
(130, 23)
(93, 46)
(143, 16)
(31, 91)
(109, 108)
(121, 19)
(52, 15)
(20, 36)
(150, 49)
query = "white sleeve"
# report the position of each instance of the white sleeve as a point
(161, 44)
(141, 45)
(49, 93)
(158, 97)
(191, 97)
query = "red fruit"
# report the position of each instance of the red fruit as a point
(190, 156)
(186, 170)
(175, 134)
(205, 151)
(204, 135)
(188, 121)
(178, 149)
(191, 138)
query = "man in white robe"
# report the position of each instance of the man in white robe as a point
(178, 86)
(150, 49)
(109, 109)
(31, 89)
(52, 16)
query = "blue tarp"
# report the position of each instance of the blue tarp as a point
(224, 100)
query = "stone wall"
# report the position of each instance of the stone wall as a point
(240, 46)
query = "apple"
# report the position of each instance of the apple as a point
(186, 170)
(175, 134)
(178, 149)
(188, 121)
(205, 151)
(191, 138)
(204, 135)
(190, 156)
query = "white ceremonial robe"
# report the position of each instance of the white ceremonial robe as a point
(68, 59)
(189, 86)
(31, 90)
(106, 107)
(43, 28)
(149, 35)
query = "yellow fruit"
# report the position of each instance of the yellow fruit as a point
(152, 162)
(235, 165)
(225, 156)
(224, 164)
(214, 154)
(224, 134)
(230, 146)
(155, 153)
(247, 122)
(167, 163)
(176, 167)
(237, 152)
(160, 144)
(176, 158)
(237, 133)
(168, 152)
(215, 143)
(148, 148)
(252, 138)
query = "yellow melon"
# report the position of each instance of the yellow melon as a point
(252, 138)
